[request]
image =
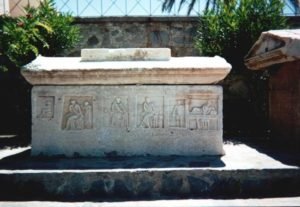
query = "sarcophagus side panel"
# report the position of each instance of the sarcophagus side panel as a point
(127, 120)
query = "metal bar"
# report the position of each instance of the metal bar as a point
(4, 7)
(88, 4)
(150, 8)
(15, 6)
(101, 10)
(117, 7)
(126, 9)
(77, 7)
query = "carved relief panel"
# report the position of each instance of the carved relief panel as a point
(116, 112)
(195, 111)
(202, 111)
(45, 107)
(77, 113)
(96, 120)
(177, 113)
(150, 112)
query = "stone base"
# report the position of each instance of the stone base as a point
(127, 120)
(243, 172)
(114, 185)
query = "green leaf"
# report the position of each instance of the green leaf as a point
(42, 31)
(232, 27)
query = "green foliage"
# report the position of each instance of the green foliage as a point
(168, 5)
(64, 35)
(229, 30)
(232, 27)
(42, 31)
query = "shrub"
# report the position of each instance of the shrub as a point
(232, 27)
(42, 31)
(64, 35)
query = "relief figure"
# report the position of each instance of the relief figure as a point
(46, 107)
(118, 113)
(74, 116)
(201, 112)
(147, 113)
(202, 107)
(149, 117)
(177, 114)
(160, 120)
(209, 108)
(87, 115)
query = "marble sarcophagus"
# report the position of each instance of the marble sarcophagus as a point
(138, 101)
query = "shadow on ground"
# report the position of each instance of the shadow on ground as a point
(24, 161)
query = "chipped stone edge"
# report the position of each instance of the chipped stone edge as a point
(111, 77)
(125, 54)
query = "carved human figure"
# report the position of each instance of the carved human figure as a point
(148, 114)
(178, 113)
(74, 116)
(46, 110)
(209, 108)
(87, 114)
(118, 113)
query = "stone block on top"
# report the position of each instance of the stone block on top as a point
(125, 66)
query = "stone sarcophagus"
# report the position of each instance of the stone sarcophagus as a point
(126, 102)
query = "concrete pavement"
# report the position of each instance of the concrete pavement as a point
(288, 201)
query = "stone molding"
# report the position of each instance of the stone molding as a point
(125, 54)
(178, 70)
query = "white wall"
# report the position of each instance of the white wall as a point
(4, 7)
(15, 7)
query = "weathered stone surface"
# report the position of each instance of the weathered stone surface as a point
(112, 185)
(103, 114)
(150, 177)
(159, 38)
(92, 41)
(273, 47)
(108, 185)
(72, 71)
(127, 120)
(128, 54)
(139, 32)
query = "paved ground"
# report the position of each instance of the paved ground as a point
(291, 201)
(237, 157)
